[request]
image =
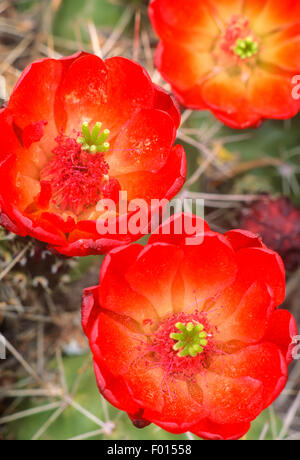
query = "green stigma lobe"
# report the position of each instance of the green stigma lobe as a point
(94, 141)
(191, 340)
(245, 48)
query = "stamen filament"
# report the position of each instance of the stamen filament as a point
(86, 132)
(96, 132)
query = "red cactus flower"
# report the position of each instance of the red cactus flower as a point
(277, 222)
(236, 58)
(78, 130)
(189, 337)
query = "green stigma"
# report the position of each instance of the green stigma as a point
(95, 141)
(245, 48)
(190, 340)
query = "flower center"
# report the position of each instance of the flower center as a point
(182, 344)
(95, 141)
(76, 177)
(238, 39)
(246, 48)
(190, 340)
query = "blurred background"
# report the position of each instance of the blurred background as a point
(249, 179)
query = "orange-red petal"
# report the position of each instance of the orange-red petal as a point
(191, 28)
(271, 95)
(283, 49)
(144, 143)
(83, 102)
(177, 228)
(116, 294)
(250, 320)
(228, 96)
(283, 331)
(255, 265)
(157, 265)
(182, 67)
(240, 239)
(224, 10)
(275, 14)
(231, 400)
(220, 431)
(166, 183)
(129, 89)
(167, 103)
(33, 98)
(206, 276)
(264, 265)
(264, 363)
(117, 340)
